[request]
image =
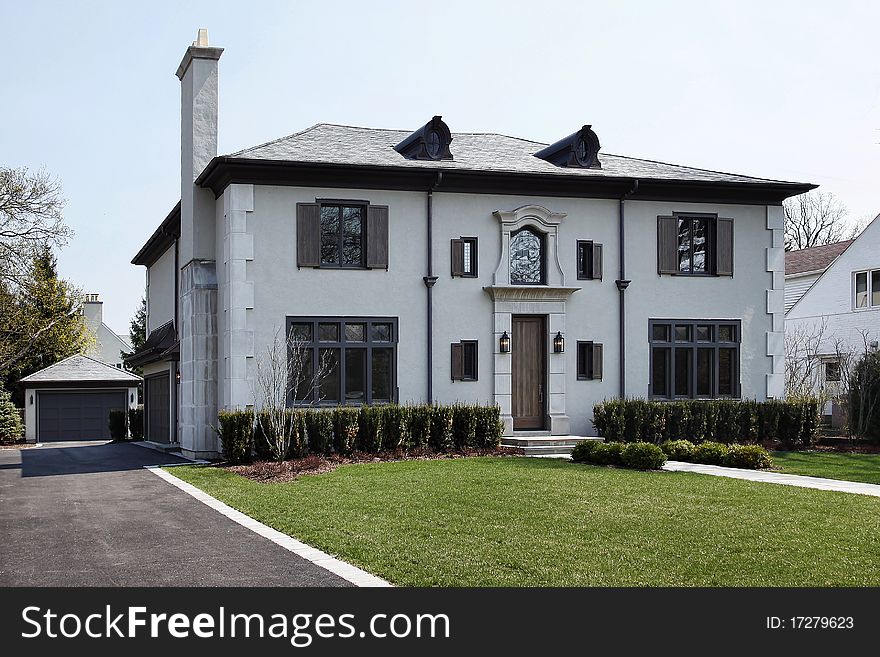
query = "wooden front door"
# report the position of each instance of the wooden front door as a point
(528, 345)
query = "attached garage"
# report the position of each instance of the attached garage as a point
(72, 399)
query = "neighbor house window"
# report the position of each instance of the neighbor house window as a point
(695, 245)
(464, 361)
(589, 361)
(464, 257)
(832, 371)
(359, 356)
(527, 258)
(589, 260)
(867, 289)
(694, 358)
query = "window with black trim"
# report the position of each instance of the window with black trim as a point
(527, 256)
(359, 356)
(589, 361)
(694, 358)
(342, 234)
(346, 234)
(832, 371)
(464, 361)
(589, 260)
(464, 257)
(695, 245)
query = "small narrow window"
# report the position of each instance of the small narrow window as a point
(589, 361)
(875, 287)
(589, 260)
(862, 289)
(464, 257)
(464, 361)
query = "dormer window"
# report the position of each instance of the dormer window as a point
(580, 149)
(430, 142)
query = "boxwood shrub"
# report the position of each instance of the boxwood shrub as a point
(752, 457)
(117, 424)
(710, 453)
(678, 450)
(793, 422)
(642, 456)
(583, 451)
(236, 435)
(136, 423)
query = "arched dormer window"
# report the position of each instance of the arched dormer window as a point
(527, 257)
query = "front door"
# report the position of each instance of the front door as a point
(528, 344)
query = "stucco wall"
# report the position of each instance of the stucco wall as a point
(161, 294)
(462, 308)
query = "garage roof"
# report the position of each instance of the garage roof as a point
(81, 369)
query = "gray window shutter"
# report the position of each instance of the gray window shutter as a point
(597, 360)
(458, 257)
(457, 361)
(377, 236)
(724, 247)
(667, 245)
(597, 261)
(308, 235)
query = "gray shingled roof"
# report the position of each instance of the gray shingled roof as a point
(816, 258)
(339, 144)
(79, 369)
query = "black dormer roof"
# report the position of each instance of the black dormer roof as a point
(579, 149)
(430, 142)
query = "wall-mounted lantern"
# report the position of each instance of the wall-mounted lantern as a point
(32, 400)
(504, 343)
(131, 398)
(558, 343)
(177, 376)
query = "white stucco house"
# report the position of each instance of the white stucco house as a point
(840, 310)
(435, 265)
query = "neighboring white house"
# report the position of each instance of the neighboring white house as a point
(439, 266)
(804, 266)
(840, 311)
(109, 345)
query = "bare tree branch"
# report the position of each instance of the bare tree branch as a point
(817, 218)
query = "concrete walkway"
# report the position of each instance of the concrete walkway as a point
(819, 483)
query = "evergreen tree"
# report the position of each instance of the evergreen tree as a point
(138, 326)
(11, 429)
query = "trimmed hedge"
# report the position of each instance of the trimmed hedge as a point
(640, 456)
(236, 435)
(794, 423)
(371, 429)
(751, 457)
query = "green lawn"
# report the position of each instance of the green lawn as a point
(524, 522)
(833, 465)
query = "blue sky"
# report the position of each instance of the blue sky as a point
(787, 90)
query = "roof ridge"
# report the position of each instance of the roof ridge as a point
(72, 356)
(822, 246)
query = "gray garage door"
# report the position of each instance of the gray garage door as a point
(76, 415)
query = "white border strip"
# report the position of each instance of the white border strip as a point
(336, 566)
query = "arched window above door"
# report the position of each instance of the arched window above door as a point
(527, 257)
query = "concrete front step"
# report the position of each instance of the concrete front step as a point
(544, 445)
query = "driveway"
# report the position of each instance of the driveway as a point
(88, 514)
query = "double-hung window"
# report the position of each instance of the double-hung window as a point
(693, 359)
(355, 359)
(866, 288)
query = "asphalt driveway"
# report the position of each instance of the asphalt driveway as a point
(87, 514)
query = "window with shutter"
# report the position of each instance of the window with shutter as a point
(695, 245)
(589, 260)
(589, 361)
(464, 257)
(464, 361)
(724, 247)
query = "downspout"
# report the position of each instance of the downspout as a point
(622, 282)
(429, 281)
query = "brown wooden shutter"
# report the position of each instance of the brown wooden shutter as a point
(457, 257)
(597, 360)
(724, 247)
(667, 245)
(377, 236)
(597, 261)
(457, 361)
(308, 235)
